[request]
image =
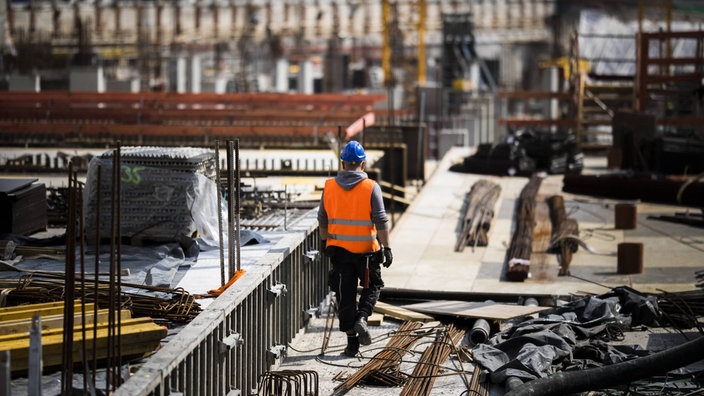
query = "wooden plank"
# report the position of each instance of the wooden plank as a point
(27, 311)
(401, 313)
(375, 319)
(484, 310)
(9, 340)
(22, 326)
(138, 337)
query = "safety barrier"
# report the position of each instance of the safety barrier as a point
(245, 331)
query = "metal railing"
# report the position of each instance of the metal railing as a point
(245, 331)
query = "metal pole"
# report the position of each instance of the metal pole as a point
(98, 194)
(118, 269)
(109, 373)
(230, 211)
(392, 179)
(237, 200)
(339, 147)
(84, 350)
(70, 269)
(5, 377)
(421, 118)
(34, 378)
(219, 192)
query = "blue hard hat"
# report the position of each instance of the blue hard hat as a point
(353, 152)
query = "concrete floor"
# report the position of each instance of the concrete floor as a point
(423, 241)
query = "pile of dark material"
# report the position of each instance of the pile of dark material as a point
(576, 347)
(525, 152)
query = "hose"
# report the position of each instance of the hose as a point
(565, 383)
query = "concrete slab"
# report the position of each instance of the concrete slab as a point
(423, 241)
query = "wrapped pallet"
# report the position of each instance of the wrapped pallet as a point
(167, 193)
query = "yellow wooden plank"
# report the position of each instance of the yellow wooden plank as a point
(8, 339)
(136, 339)
(38, 306)
(401, 313)
(27, 311)
(20, 326)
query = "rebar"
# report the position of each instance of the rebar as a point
(329, 322)
(425, 372)
(219, 203)
(562, 229)
(230, 211)
(288, 383)
(479, 212)
(475, 386)
(98, 187)
(520, 249)
(385, 364)
(70, 268)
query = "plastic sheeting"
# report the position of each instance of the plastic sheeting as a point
(161, 265)
(162, 198)
(575, 337)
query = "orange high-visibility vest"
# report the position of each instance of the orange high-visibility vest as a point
(350, 216)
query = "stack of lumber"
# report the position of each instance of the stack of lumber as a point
(138, 336)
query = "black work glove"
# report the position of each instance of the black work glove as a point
(388, 257)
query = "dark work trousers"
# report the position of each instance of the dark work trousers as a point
(348, 271)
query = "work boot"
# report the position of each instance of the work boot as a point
(360, 326)
(352, 346)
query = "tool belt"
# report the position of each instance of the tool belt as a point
(336, 252)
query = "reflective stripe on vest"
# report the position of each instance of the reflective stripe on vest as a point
(349, 216)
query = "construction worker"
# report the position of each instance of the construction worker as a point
(354, 227)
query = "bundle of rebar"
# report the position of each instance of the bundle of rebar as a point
(682, 309)
(384, 366)
(424, 374)
(478, 215)
(475, 386)
(520, 248)
(289, 383)
(564, 230)
(181, 307)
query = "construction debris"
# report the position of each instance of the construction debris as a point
(526, 152)
(585, 334)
